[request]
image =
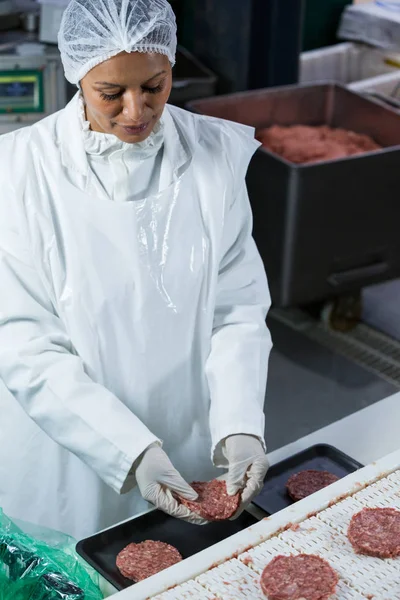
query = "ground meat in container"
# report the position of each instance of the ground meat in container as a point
(213, 503)
(139, 561)
(300, 577)
(306, 144)
(376, 532)
(303, 484)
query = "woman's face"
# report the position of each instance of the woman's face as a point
(126, 94)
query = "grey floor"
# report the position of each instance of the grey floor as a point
(310, 387)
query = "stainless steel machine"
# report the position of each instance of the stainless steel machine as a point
(32, 83)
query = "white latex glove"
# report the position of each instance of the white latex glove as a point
(158, 479)
(247, 467)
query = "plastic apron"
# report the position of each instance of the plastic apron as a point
(134, 285)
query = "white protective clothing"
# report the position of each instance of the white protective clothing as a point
(125, 171)
(158, 480)
(123, 324)
(93, 32)
(247, 466)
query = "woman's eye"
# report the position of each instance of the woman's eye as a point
(153, 90)
(109, 97)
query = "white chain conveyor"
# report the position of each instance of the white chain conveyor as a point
(231, 569)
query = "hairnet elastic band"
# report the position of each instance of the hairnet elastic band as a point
(137, 48)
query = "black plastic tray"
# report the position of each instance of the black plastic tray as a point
(101, 550)
(321, 457)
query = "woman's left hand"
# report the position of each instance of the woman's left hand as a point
(247, 467)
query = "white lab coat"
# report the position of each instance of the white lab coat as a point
(123, 323)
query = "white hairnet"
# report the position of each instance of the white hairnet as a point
(93, 31)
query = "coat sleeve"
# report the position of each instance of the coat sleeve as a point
(40, 367)
(238, 362)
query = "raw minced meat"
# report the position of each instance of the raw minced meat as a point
(376, 532)
(213, 503)
(303, 484)
(299, 577)
(139, 561)
(307, 144)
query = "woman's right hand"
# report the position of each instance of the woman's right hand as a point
(159, 482)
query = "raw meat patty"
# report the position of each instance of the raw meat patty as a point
(139, 561)
(376, 532)
(303, 484)
(300, 577)
(305, 144)
(213, 502)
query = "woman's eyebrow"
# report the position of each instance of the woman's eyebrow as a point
(108, 84)
(154, 76)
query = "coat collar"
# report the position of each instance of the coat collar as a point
(70, 139)
(178, 145)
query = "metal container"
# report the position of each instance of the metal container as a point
(388, 84)
(329, 228)
(191, 79)
(344, 63)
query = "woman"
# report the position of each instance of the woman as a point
(133, 303)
